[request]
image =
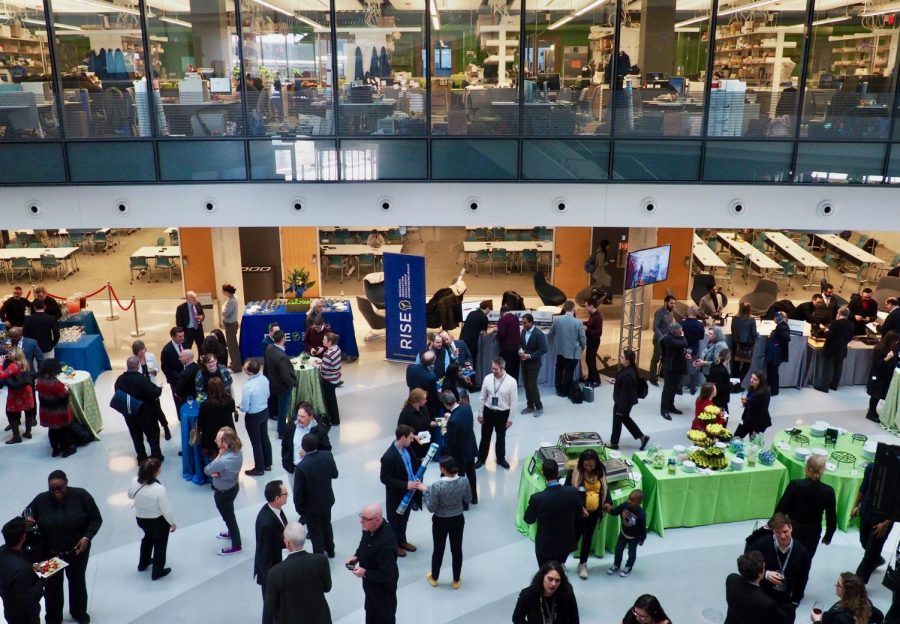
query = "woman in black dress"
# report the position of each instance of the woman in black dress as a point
(719, 375)
(884, 361)
(549, 598)
(216, 411)
(415, 414)
(459, 385)
(756, 418)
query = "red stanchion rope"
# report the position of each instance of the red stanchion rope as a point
(119, 303)
(96, 292)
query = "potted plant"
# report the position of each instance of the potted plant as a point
(298, 281)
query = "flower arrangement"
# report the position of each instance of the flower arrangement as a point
(699, 438)
(712, 458)
(710, 413)
(719, 432)
(298, 281)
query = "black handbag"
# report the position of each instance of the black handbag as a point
(890, 578)
(743, 352)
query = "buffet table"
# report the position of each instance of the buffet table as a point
(85, 319)
(488, 349)
(607, 531)
(83, 401)
(695, 499)
(85, 354)
(192, 460)
(891, 405)
(856, 365)
(308, 388)
(254, 327)
(845, 479)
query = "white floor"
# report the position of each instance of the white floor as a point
(685, 570)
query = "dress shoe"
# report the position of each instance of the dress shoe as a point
(873, 416)
(538, 412)
(613, 447)
(675, 411)
(56, 452)
(167, 433)
(143, 566)
(165, 572)
(330, 554)
(822, 389)
(268, 468)
(666, 416)
(8, 428)
(27, 435)
(479, 464)
(503, 462)
(835, 388)
(654, 382)
(527, 410)
(644, 441)
(254, 473)
(15, 440)
(84, 619)
(401, 552)
(408, 547)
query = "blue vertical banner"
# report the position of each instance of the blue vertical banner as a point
(404, 306)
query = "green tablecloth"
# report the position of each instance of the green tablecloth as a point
(845, 479)
(607, 529)
(308, 388)
(889, 409)
(686, 500)
(83, 399)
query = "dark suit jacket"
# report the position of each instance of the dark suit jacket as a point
(393, 476)
(170, 364)
(281, 372)
(673, 362)
(891, 323)
(464, 354)
(296, 588)
(312, 483)
(749, 604)
(32, 352)
(183, 317)
(459, 441)
(837, 337)
(806, 311)
(782, 337)
(805, 500)
(186, 386)
(417, 376)
(868, 309)
(269, 542)
(140, 387)
(556, 510)
(475, 323)
(20, 588)
(43, 328)
(536, 348)
(796, 573)
(287, 443)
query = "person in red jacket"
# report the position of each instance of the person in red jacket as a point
(20, 396)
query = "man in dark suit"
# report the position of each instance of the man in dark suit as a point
(475, 324)
(532, 347)
(813, 312)
(747, 602)
(831, 301)
(189, 315)
(459, 351)
(863, 310)
(13, 310)
(266, 341)
(837, 337)
(375, 562)
(20, 588)
(145, 422)
(43, 328)
(556, 510)
(270, 523)
(398, 474)
(459, 441)
(35, 358)
(422, 376)
(292, 442)
(892, 322)
(296, 587)
(787, 565)
(509, 340)
(282, 378)
(313, 495)
(51, 305)
(170, 362)
(186, 387)
(673, 367)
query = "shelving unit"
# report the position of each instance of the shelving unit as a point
(864, 53)
(29, 47)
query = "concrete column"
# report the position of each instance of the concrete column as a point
(212, 41)
(658, 41)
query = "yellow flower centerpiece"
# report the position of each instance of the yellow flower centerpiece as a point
(699, 438)
(711, 413)
(712, 458)
(718, 432)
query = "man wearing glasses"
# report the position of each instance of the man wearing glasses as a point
(270, 523)
(375, 562)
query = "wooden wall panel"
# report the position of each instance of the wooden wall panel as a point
(573, 246)
(197, 254)
(299, 247)
(679, 281)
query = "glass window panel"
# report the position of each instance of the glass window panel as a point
(473, 159)
(748, 161)
(565, 160)
(102, 60)
(127, 161)
(289, 51)
(894, 165)
(757, 68)
(840, 163)
(657, 161)
(567, 46)
(22, 163)
(384, 160)
(201, 160)
(380, 68)
(852, 65)
(293, 160)
(479, 96)
(661, 68)
(27, 103)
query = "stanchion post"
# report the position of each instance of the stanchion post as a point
(112, 314)
(137, 330)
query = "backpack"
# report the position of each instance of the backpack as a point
(576, 394)
(643, 388)
(590, 265)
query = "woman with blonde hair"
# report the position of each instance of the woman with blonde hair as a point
(854, 606)
(224, 470)
(20, 397)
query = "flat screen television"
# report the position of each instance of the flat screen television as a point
(647, 266)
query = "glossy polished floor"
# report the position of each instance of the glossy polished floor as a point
(686, 569)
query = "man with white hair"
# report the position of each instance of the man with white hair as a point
(375, 562)
(189, 316)
(296, 587)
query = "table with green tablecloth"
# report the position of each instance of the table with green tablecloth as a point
(891, 406)
(308, 388)
(532, 481)
(695, 499)
(83, 400)
(845, 479)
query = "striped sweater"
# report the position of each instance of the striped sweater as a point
(331, 365)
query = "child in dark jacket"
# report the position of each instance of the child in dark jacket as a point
(632, 533)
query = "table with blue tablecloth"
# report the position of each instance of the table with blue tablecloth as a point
(85, 319)
(192, 460)
(255, 327)
(87, 354)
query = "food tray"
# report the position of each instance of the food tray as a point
(46, 569)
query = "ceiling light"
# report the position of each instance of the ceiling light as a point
(108, 6)
(177, 22)
(746, 7)
(881, 10)
(37, 22)
(689, 29)
(693, 20)
(592, 5)
(435, 16)
(277, 9)
(307, 21)
(831, 20)
(557, 24)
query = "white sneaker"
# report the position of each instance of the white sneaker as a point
(625, 572)
(612, 570)
(583, 570)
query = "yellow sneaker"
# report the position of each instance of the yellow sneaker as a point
(456, 584)
(431, 580)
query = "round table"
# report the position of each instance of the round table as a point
(308, 388)
(845, 479)
(83, 400)
(891, 406)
